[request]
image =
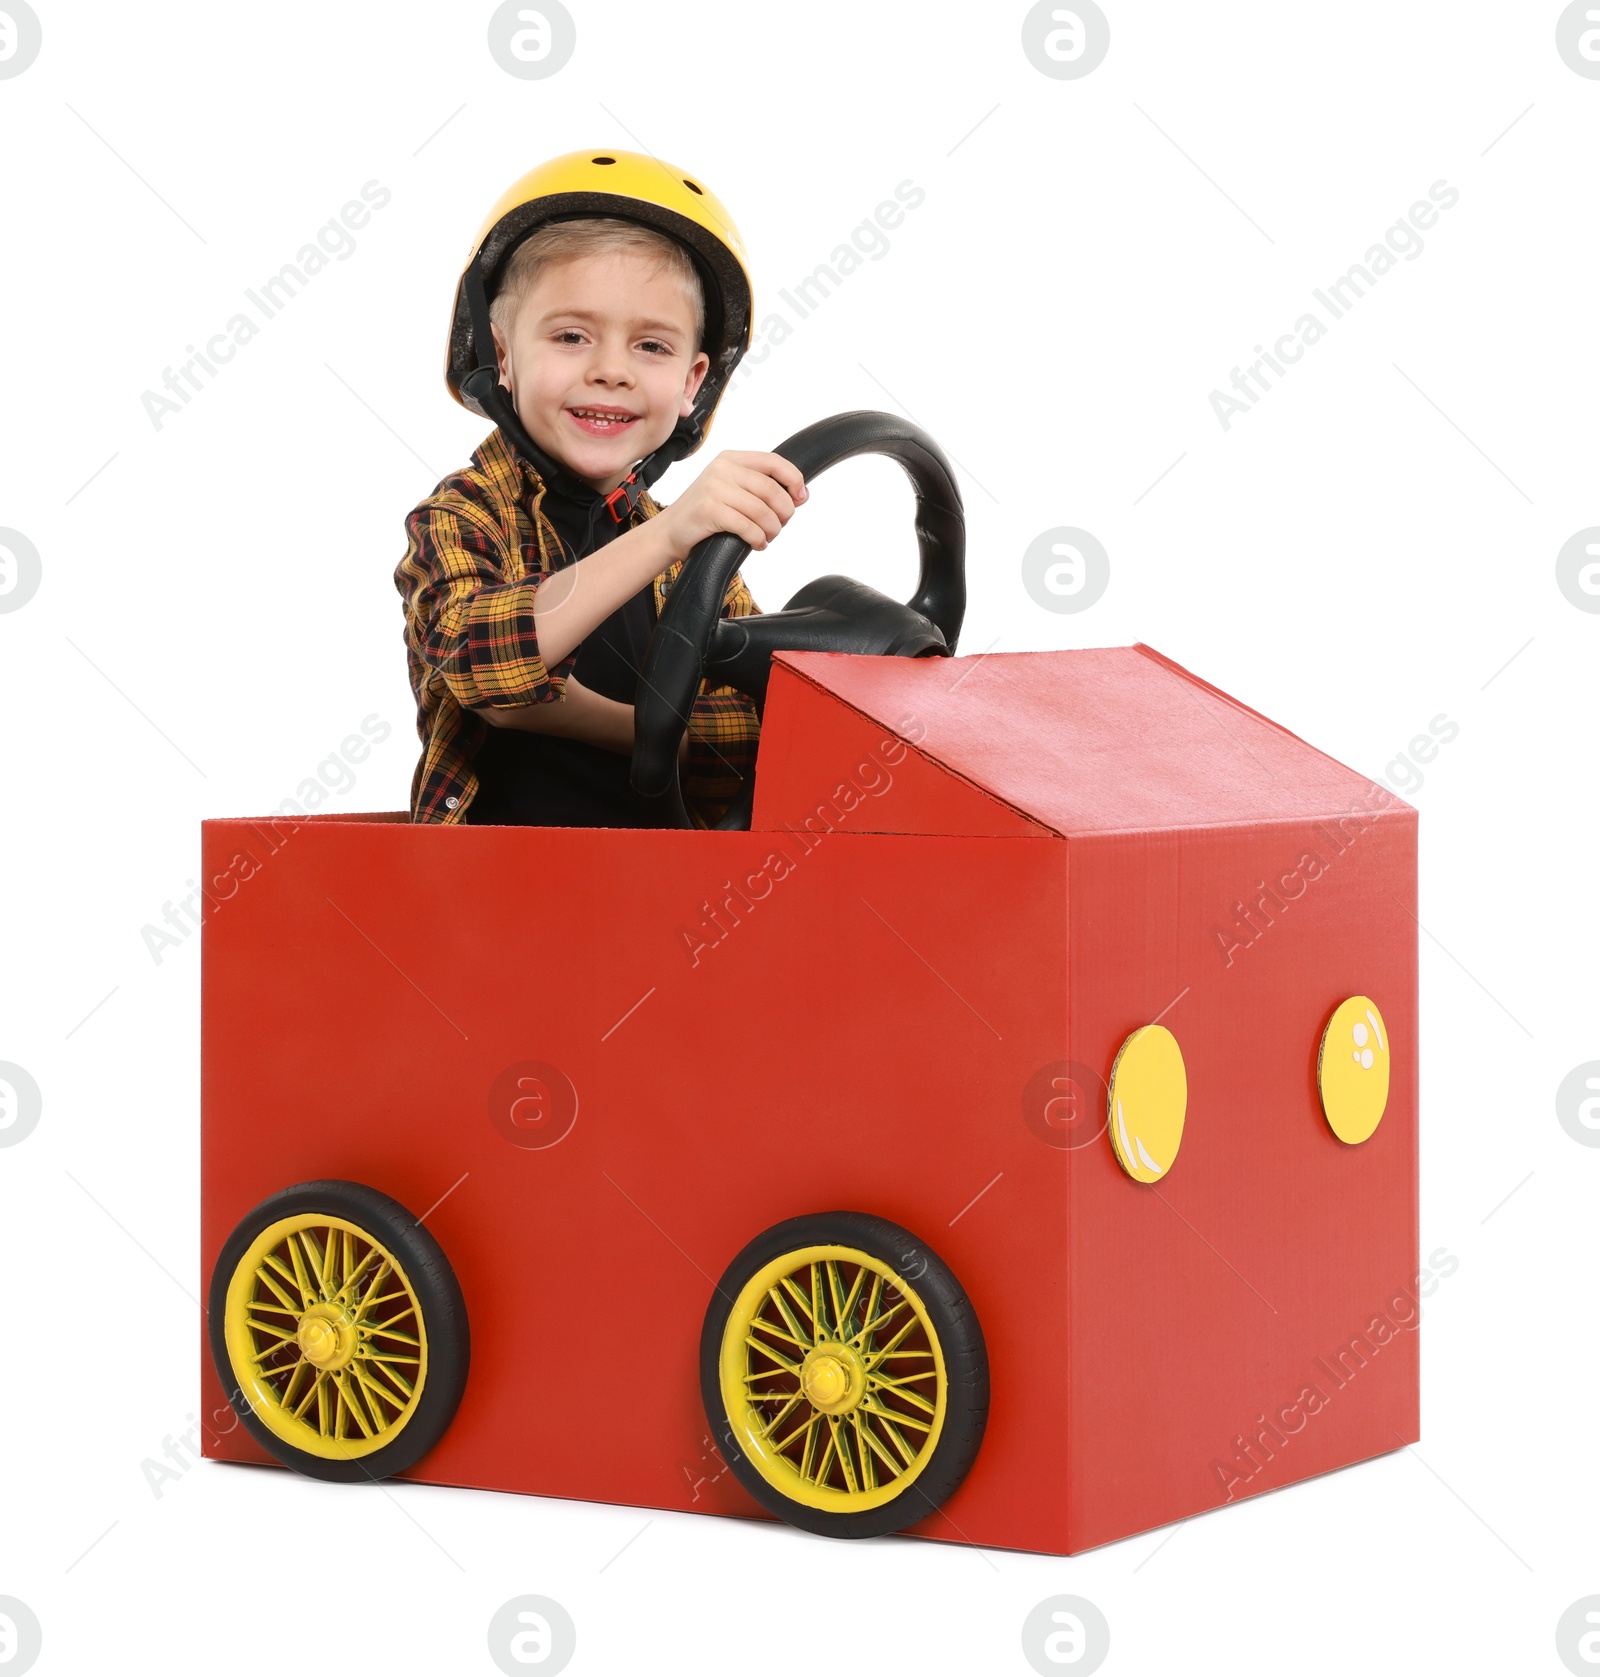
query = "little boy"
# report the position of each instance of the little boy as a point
(615, 294)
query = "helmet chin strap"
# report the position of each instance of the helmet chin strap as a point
(483, 385)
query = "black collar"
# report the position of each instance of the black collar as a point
(581, 515)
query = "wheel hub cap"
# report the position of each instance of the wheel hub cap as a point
(833, 1379)
(325, 1339)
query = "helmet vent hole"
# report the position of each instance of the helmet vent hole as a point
(602, 160)
(692, 187)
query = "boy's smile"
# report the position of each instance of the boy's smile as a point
(602, 421)
(602, 362)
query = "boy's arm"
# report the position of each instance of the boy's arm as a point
(474, 630)
(752, 495)
(716, 753)
(577, 599)
(581, 715)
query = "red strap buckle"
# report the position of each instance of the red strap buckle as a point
(627, 495)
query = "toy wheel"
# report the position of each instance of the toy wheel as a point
(339, 1331)
(844, 1375)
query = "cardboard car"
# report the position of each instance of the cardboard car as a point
(1009, 1137)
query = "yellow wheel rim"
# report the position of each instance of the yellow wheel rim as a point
(326, 1337)
(833, 1378)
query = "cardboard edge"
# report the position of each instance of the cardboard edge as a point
(359, 817)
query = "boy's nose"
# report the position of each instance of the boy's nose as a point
(610, 367)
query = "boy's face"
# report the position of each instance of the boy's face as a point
(601, 362)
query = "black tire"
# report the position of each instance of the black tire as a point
(966, 1366)
(443, 1312)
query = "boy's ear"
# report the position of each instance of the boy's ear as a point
(500, 354)
(698, 368)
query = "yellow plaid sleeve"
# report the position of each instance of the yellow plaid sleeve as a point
(470, 627)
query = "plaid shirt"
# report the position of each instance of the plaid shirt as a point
(476, 551)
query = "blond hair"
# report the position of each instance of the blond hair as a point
(566, 241)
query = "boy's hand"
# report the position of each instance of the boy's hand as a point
(751, 496)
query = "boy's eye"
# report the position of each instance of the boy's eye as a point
(656, 347)
(569, 334)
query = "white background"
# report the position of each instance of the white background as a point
(1362, 552)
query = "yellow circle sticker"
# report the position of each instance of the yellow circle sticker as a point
(1147, 1098)
(1353, 1069)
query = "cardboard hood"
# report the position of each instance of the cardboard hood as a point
(1070, 742)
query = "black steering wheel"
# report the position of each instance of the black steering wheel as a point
(693, 641)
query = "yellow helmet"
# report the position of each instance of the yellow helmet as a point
(635, 187)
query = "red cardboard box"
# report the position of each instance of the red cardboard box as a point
(967, 882)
